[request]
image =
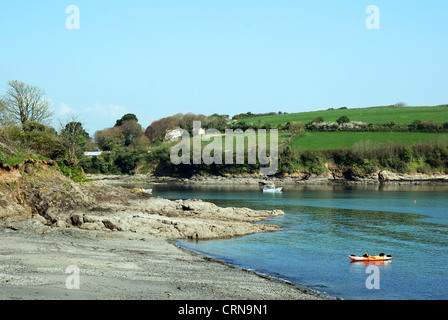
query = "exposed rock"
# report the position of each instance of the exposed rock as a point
(39, 218)
(77, 220)
(176, 219)
(10, 209)
(54, 200)
(332, 175)
(386, 176)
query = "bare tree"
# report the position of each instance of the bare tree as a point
(23, 102)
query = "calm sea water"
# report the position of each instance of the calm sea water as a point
(323, 225)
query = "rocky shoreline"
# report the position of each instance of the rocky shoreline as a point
(120, 239)
(329, 177)
(56, 201)
(118, 235)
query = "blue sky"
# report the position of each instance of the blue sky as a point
(158, 58)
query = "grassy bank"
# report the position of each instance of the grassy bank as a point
(378, 115)
(337, 140)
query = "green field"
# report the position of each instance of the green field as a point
(341, 139)
(375, 115)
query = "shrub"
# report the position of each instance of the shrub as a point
(126, 161)
(318, 120)
(2, 158)
(295, 127)
(75, 173)
(343, 119)
(30, 126)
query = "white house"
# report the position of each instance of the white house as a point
(93, 153)
(174, 134)
(198, 131)
(177, 133)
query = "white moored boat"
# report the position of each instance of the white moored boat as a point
(148, 191)
(272, 188)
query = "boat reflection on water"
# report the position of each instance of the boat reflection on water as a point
(272, 188)
(361, 268)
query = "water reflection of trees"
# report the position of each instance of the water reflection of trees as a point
(382, 226)
(238, 185)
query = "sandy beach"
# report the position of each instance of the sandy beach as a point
(121, 265)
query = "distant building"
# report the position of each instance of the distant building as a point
(177, 133)
(93, 153)
(198, 131)
(174, 134)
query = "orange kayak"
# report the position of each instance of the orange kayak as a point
(370, 258)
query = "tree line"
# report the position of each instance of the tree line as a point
(26, 114)
(367, 157)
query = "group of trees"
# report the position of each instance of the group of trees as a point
(368, 157)
(25, 117)
(158, 129)
(129, 144)
(25, 131)
(127, 133)
(253, 115)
